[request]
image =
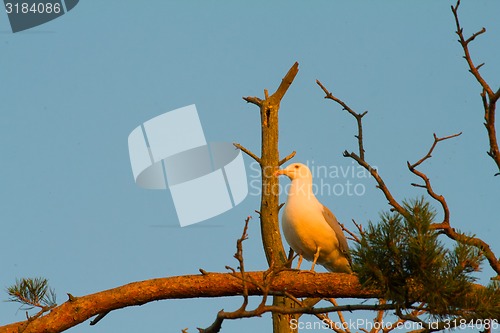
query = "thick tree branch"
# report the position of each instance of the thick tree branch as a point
(80, 309)
(489, 97)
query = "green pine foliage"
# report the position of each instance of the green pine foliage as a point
(32, 292)
(405, 259)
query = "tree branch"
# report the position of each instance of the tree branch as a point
(80, 309)
(489, 97)
(248, 152)
(254, 100)
(261, 309)
(381, 184)
(287, 158)
(445, 224)
(361, 157)
(358, 117)
(430, 191)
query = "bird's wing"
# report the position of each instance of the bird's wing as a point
(334, 224)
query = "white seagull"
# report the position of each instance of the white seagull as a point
(311, 229)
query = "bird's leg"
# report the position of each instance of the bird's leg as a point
(316, 255)
(299, 261)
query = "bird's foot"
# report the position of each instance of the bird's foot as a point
(311, 271)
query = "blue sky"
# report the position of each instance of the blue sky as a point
(74, 88)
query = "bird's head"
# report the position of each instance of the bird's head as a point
(295, 171)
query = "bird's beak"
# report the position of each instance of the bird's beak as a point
(279, 172)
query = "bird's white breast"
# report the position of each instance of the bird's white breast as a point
(305, 227)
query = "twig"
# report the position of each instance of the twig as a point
(360, 158)
(488, 96)
(429, 154)
(415, 313)
(430, 190)
(358, 117)
(254, 100)
(259, 311)
(248, 152)
(341, 315)
(445, 226)
(287, 158)
(378, 319)
(359, 226)
(98, 318)
(381, 184)
(353, 237)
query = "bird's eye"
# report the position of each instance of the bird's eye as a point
(296, 167)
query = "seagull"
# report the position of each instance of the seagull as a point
(311, 229)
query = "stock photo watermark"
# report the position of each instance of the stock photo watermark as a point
(328, 180)
(26, 14)
(170, 151)
(368, 325)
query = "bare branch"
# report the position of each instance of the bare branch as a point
(359, 226)
(430, 190)
(287, 158)
(429, 154)
(248, 152)
(381, 184)
(488, 96)
(285, 83)
(465, 45)
(259, 311)
(445, 226)
(358, 117)
(354, 237)
(340, 314)
(360, 158)
(239, 256)
(254, 100)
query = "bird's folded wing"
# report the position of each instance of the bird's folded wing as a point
(334, 224)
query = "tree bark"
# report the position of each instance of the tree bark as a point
(269, 162)
(79, 309)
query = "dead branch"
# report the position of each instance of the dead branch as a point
(430, 190)
(341, 315)
(445, 226)
(353, 237)
(287, 158)
(260, 310)
(358, 117)
(246, 151)
(488, 96)
(360, 159)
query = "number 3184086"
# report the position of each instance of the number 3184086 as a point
(35, 8)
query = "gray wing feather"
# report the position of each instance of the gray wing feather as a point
(334, 224)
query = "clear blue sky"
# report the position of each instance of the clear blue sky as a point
(73, 89)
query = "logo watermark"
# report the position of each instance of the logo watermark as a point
(170, 151)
